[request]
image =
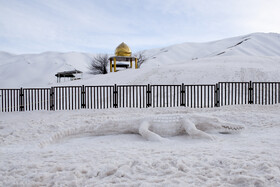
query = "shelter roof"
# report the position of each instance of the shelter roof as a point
(122, 58)
(68, 73)
(123, 50)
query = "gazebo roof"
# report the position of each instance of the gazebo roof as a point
(123, 50)
(68, 73)
(122, 58)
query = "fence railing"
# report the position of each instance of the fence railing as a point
(139, 96)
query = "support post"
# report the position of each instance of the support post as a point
(115, 96)
(131, 63)
(136, 66)
(149, 96)
(183, 95)
(217, 95)
(21, 100)
(251, 93)
(115, 64)
(83, 97)
(110, 65)
(52, 98)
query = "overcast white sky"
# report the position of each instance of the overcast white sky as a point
(98, 26)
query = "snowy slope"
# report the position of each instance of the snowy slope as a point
(253, 57)
(257, 44)
(29, 70)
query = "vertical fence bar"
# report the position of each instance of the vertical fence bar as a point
(188, 97)
(278, 92)
(5, 99)
(255, 88)
(272, 101)
(259, 87)
(208, 96)
(2, 100)
(197, 95)
(268, 93)
(274, 93)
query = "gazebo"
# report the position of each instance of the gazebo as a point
(68, 74)
(122, 53)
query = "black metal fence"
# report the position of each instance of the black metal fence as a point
(139, 96)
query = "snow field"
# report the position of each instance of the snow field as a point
(247, 159)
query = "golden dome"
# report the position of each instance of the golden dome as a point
(123, 50)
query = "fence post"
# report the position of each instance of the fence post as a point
(83, 97)
(149, 98)
(115, 96)
(217, 95)
(52, 98)
(251, 93)
(21, 100)
(183, 95)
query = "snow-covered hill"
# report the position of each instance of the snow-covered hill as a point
(29, 70)
(257, 44)
(253, 57)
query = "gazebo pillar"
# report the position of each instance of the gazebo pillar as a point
(136, 66)
(115, 64)
(110, 65)
(114, 60)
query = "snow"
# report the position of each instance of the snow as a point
(254, 57)
(247, 159)
(38, 70)
(33, 151)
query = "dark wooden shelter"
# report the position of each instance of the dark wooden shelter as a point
(68, 74)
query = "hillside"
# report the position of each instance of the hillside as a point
(257, 44)
(253, 57)
(29, 70)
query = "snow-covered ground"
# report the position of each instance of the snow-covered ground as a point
(247, 159)
(28, 158)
